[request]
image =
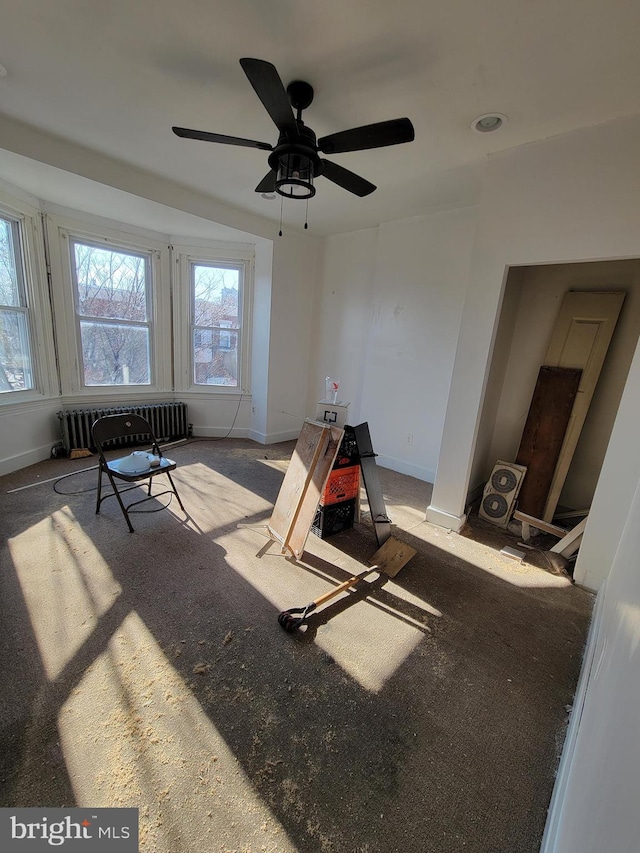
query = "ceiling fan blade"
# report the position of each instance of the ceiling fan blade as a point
(269, 88)
(346, 179)
(369, 136)
(268, 183)
(203, 135)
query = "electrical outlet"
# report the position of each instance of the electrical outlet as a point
(409, 439)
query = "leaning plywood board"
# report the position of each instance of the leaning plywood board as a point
(303, 484)
(580, 338)
(544, 431)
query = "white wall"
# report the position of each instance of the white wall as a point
(291, 331)
(595, 805)
(346, 271)
(568, 199)
(391, 303)
(28, 432)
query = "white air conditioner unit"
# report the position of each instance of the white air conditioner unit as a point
(500, 493)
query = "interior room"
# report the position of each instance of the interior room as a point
(474, 702)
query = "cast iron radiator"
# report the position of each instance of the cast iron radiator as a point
(168, 421)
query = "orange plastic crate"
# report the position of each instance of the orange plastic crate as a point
(343, 485)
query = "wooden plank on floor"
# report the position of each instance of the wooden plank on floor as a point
(570, 543)
(544, 433)
(539, 524)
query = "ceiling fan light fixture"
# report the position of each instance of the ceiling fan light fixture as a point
(295, 176)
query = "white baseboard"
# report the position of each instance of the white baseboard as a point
(213, 432)
(22, 460)
(445, 519)
(285, 435)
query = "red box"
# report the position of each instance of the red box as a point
(343, 485)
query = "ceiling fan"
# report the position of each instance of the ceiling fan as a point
(294, 162)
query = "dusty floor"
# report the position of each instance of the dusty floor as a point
(424, 713)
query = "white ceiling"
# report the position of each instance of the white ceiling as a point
(115, 76)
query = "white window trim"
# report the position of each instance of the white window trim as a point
(59, 231)
(183, 257)
(36, 293)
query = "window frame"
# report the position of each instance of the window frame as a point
(62, 233)
(28, 236)
(186, 258)
(107, 321)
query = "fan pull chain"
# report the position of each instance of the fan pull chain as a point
(280, 231)
(306, 216)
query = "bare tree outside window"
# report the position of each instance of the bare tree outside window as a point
(216, 301)
(112, 299)
(15, 353)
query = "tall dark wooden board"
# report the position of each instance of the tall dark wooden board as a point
(543, 434)
(381, 522)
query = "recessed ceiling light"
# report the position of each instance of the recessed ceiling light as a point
(268, 196)
(489, 122)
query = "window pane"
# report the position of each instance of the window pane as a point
(110, 284)
(215, 357)
(216, 305)
(15, 361)
(9, 290)
(115, 354)
(215, 291)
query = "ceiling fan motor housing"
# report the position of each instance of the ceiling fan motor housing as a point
(300, 94)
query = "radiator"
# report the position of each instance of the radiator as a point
(168, 421)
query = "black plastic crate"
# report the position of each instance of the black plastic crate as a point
(334, 518)
(348, 450)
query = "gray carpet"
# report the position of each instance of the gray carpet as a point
(425, 713)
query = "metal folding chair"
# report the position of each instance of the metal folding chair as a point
(150, 464)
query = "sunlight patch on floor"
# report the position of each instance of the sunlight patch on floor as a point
(134, 735)
(369, 640)
(488, 559)
(410, 515)
(277, 464)
(66, 589)
(214, 500)
(370, 644)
